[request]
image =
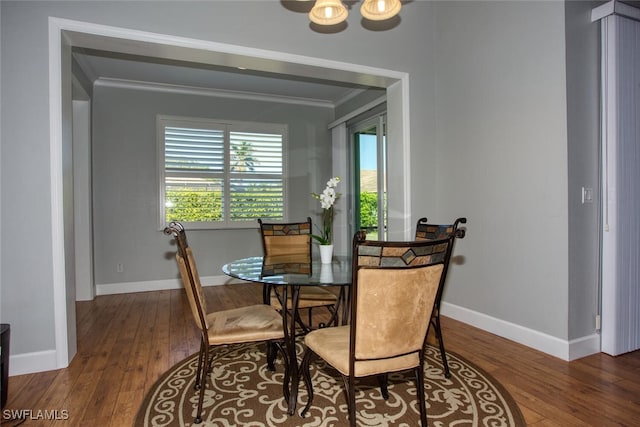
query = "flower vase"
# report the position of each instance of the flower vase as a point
(326, 253)
(326, 273)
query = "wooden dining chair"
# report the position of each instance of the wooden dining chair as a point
(294, 239)
(253, 323)
(426, 231)
(393, 293)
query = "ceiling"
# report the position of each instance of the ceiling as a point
(102, 66)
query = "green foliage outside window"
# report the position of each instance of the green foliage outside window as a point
(368, 209)
(193, 206)
(204, 206)
(201, 206)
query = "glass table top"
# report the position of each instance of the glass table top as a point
(291, 270)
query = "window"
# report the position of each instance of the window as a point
(220, 174)
(370, 177)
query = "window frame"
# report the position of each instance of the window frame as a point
(229, 126)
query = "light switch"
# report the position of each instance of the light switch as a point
(587, 195)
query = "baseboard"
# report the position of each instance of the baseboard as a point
(156, 285)
(28, 363)
(562, 349)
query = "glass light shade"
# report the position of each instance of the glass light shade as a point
(379, 10)
(328, 12)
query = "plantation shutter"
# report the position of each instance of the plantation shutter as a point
(194, 174)
(217, 175)
(255, 172)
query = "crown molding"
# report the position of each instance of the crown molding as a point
(200, 91)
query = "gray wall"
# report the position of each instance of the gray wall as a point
(583, 146)
(125, 178)
(492, 137)
(502, 158)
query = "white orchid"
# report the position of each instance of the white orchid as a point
(327, 199)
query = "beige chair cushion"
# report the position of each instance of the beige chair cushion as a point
(254, 323)
(332, 345)
(310, 296)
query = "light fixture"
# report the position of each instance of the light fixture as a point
(328, 12)
(332, 12)
(379, 10)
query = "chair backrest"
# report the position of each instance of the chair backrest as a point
(393, 292)
(189, 273)
(426, 231)
(293, 238)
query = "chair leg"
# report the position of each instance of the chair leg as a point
(203, 385)
(272, 352)
(419, 373)
(333, 311)
(443, 353)
(306, 376)
(350, 387)
(383, 381)
(285, 382)
(200, 363)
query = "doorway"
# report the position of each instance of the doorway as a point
(65, 34)
(369, 147)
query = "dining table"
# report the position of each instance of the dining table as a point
(288, 274)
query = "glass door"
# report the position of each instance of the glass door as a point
(370, 177)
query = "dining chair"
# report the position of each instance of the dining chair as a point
(393, 293)
(426, 231)
(294, 239)
(253, 323)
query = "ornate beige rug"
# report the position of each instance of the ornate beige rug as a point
(244, 393)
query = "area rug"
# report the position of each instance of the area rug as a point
(243, 392)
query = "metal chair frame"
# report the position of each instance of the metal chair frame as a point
(426, 231)
(205, 359)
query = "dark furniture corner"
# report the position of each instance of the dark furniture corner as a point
(5, 334)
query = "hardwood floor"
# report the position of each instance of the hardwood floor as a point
(125, 342)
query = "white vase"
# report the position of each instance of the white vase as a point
(326, 253)
(326, 273)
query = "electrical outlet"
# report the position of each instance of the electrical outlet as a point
(119, 267)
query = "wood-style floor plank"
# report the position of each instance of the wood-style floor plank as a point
(126, 342)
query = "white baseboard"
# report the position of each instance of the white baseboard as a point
(562, 349)
(28, 363)
(156, 285)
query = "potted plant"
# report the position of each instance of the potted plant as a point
(327, 199)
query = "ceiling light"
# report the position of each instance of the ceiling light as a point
(379, 10)
(328, 12)
(332, 12)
